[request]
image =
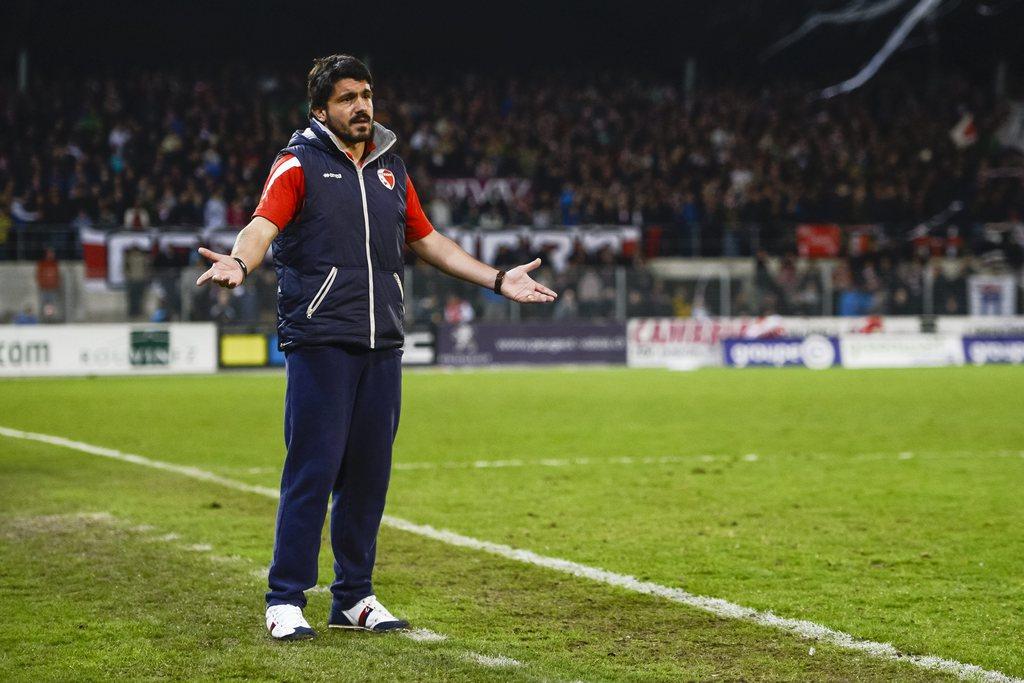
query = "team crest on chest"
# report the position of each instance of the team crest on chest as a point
(387, 178)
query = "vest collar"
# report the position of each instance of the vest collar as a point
(382, 140)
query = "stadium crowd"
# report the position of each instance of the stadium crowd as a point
(725, 171)
(158, 149)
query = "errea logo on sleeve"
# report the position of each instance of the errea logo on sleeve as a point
(333, 175)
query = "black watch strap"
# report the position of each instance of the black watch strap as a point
(245, 268)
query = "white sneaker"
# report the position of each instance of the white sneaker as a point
(285, 622)
(366, 615)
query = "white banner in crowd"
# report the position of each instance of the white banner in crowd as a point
(992, 294)
(485, 244)
(115, 349)
(118, 243)
(479, 190)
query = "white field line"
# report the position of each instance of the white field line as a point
(499, 662)
(419, 635)
(193, 472)
(555, 462)
(647, 460)
(422, 635)
(715, 606)
(674, 459)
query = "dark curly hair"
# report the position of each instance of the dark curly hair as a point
(327, 71)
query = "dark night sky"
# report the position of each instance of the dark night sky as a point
(725, 36)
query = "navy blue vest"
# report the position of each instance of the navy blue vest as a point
(339, 262)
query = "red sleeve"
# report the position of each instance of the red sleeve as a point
(283, 193)
(417, 225)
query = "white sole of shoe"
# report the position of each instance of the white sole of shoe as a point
(295, 636)
(363, 628)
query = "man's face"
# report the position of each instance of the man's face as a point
(349, 112)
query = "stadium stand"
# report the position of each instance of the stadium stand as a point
(725, 172)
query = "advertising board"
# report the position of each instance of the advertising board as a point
(34, 350)
(686, 343)
(981, 325)
(532, 343)
(901, 351)
(1001, 350)
(816, 351)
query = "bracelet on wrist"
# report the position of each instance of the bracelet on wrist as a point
(245, 268)
(498, 280)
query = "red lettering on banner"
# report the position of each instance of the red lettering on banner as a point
(818, 240)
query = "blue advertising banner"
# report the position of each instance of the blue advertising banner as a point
(275, 356)
(815, 351)
(531, 343)
(985, 350)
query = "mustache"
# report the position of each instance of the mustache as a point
(360, 118)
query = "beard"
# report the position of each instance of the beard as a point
(347, 133)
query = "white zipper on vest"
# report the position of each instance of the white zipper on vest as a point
(398, 281)
(321, 293)
(369, 263)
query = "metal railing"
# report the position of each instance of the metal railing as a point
(28, 242)
(679, 286)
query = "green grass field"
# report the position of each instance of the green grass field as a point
(884, 504)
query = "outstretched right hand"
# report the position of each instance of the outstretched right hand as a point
(225, 270)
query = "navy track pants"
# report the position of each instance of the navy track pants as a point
(340, 420)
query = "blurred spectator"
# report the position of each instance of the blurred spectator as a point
(495, 306)
(589, 290)
(566, 307)
(246, 303)
(136, 217)
(25, 317)
(223, 310)
(137, 279)
(48, 282)
(161, 313)
(458, 310)
(82, 220)
(167, 267)
(439, 211)
(681, 307)
(238, 217)
(25, 209)
(5, 222)
(215, 213)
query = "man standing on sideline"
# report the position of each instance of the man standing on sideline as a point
(338, 205)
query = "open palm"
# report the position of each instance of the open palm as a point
(519, 286)
(225, 270)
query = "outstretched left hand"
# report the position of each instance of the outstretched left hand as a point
(519, 286)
